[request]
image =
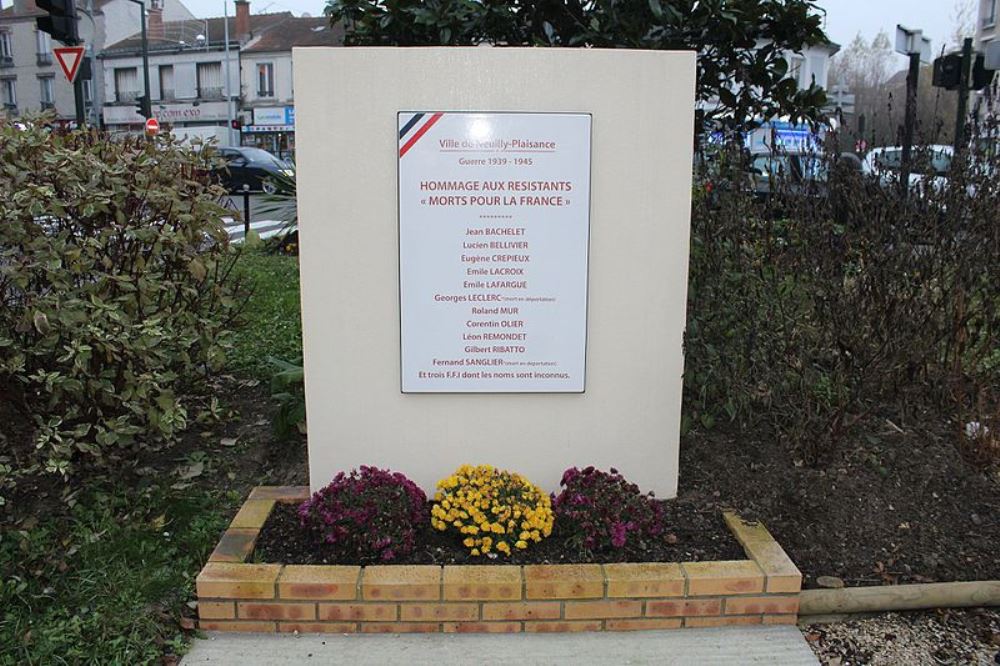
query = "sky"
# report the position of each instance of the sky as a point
(845, 18)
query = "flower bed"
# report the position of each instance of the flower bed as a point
(236, 595)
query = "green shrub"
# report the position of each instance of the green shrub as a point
(114, 291)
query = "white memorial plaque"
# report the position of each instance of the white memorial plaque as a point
(494, 225)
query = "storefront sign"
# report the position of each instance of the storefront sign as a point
(275, 115)
(167, 113)
(494, 219)
(265, 129)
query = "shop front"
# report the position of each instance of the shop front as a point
(273, 129)
(205, 120)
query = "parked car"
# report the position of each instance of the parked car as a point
(254, 167)
(929, 164)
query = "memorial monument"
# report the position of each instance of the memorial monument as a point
(494, 258)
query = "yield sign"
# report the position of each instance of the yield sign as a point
(69, 58)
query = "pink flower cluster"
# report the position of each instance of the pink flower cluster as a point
(601, 512)
(372, 514)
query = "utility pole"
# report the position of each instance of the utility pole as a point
(147, 104)
(963, 95)
(229, 94)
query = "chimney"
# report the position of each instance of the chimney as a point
(242, 19)
(154, 22)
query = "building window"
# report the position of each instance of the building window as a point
(45, 92)
(43, 47)
(817, 66)
(797, 70)
(8, 90)
(126, 84)
(166, 82)
(990, 19)
(210, 81)
(88, 92)
(265, 79)
(6, 50)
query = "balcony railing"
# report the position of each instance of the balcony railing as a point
(6, 61)
(123, 96)
(10, 108)
(210, 93)
(48, 105)
(166, 94)
(43, 58)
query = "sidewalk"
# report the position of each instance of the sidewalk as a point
(264, 228)
(771, 646)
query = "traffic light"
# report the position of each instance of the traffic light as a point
(140, 107)
(60, 22)
(948, 71)
(236, 124)
(981, 75)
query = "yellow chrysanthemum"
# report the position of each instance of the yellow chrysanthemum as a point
(482, 501)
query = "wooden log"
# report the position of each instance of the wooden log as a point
(900, 597)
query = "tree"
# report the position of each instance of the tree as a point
(743, 44)
(963, 20)
(863, 66)
(869, 70)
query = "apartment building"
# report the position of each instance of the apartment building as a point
(30, 80)
(188, 67)
(268, 91)
(194, 83)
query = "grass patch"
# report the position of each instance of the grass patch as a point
(108, 581)
(271, 322)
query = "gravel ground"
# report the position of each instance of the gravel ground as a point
(954, 636)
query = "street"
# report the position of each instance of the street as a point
(258, 220)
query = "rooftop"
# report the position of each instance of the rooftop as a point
(305, 31)
(184, 34)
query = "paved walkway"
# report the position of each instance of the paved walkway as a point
(771, 646)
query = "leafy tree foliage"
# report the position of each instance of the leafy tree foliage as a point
(742, 44)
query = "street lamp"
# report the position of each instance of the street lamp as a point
(147, 109)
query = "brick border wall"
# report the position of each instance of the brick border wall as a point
(234, 595)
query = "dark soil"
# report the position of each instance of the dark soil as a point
(696, 534)
(886, 506)
(237, 452)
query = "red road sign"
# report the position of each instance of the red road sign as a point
(69, 59)
(152, 126)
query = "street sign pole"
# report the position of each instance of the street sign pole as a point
(910, 121)
(917, 48)
(78, 100)
(963, 95)
(147, 105)
(72, 62)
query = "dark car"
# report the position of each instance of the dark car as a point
(253, 167)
